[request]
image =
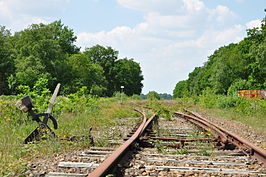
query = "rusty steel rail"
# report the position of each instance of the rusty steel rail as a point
(222, 138)
(109, 163)
(247, 147)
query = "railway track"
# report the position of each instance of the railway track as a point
(187, 145)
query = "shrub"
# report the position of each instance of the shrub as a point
(120, 96)
(152, 95)
(208, 98)
(224, 101)
(135, 97)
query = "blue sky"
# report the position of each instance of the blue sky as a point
(169, 38)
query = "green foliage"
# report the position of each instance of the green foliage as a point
(86, 73)
(6, 61)
(165, 96)
(162, 96)
(81, 101)
(228, 101)
(208, 98)
(9, 113)
(152, 95)
(161, 110)
(106, 58)
(240, 84)
(128, 74)
(40, 87)
(39, 93)
(124, 113)
(77, 102)
(181, 89)
(41, 51)
(231, 67)
(49, 52)
(135, 97)
(160, 147)
(181, 151)
(120, 96)
(247, 107)
(143, 97)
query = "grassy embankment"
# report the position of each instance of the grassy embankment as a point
(73, 120)
(251, 112)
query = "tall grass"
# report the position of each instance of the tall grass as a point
(75, 116)
(248, 111)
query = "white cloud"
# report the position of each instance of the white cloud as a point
(32, 6)
(162, 6)
(215, 37)
(168, 45)
(193, 5)
(17, 14)
(253, 24)
(5, 11)
(223, 14)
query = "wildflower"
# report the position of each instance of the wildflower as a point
(7, 119)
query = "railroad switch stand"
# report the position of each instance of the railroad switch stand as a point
(42, 130)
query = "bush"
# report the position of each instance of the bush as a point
(224, 101)
(135, 97)
(152, 95)
(79, 101)
(238, 85)
(120, 96)
(161, 110)
(9, 113)
(208, 98)
(243, 106)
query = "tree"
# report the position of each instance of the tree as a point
(152, 95)
(128, 74)
(86, 73)
(258, 53)
(181, 89)
(6, 62)
(165, 96)
(105, 57)
(42, 51)
(48, 52)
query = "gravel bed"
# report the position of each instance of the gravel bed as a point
(240, 129)
(163, 161)
(40, 166)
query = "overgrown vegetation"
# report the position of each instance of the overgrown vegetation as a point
(248, 111)
(76, 113)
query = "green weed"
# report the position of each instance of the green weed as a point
(181, 151)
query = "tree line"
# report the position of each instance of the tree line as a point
(153, 95)
(233, 67)
(48, 51)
